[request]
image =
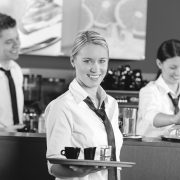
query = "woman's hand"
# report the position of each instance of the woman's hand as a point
(64, 171)
(85, 170)
(14, 128)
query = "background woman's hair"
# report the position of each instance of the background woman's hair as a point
(168, 49)
(6, 22)
(87, 37)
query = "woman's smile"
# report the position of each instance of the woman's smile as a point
(94, 77)
(91, 65)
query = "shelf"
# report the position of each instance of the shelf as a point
(128, 105)
(122, 92)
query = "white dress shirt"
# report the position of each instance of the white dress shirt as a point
(70, 122)
(153, 99)
(6, 115)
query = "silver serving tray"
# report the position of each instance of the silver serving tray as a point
(170, 138)
(81, 162)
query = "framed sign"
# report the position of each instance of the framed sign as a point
(121, 22)
(39, 24)
(48, 27)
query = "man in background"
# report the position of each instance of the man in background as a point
(11, 77)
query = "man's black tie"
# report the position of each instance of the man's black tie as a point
(13, 95)
(112, 173)
(175, 102)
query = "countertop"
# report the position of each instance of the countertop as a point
(27, 152)
(146, 141)
(20, 134)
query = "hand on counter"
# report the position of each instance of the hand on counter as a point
(13, 128)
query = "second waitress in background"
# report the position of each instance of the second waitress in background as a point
(159, 100)
(69, 119)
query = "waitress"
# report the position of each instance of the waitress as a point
(72, 118)
(159, 100)
(11, 77)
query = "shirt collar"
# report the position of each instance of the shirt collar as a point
(80, 94)
(164, 87)
(10, 65)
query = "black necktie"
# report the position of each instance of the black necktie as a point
(175, 102)
(112, 173)
(13, 96)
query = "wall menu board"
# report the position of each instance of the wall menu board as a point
(121, 22)
(39, 24)
(48, 27)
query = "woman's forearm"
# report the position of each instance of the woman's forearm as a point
(161, 120)
(62, 171)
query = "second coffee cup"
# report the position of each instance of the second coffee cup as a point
(71, 152)
(89, 153)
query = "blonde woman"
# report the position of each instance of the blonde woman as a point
(70, 121)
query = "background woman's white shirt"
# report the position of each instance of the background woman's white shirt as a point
(70, 122)
(6, 116)
(153, 99)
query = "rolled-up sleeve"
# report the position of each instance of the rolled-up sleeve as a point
(58, 131)
(149, 107)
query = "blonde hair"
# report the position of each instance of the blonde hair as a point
(87, 37)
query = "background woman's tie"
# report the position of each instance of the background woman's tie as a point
(175, 102)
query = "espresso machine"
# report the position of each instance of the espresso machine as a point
(128, 108)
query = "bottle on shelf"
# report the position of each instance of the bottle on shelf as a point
(41, 124)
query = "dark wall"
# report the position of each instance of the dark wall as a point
(162, 23)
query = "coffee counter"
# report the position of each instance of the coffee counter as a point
(22, 157)
(155, 160)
